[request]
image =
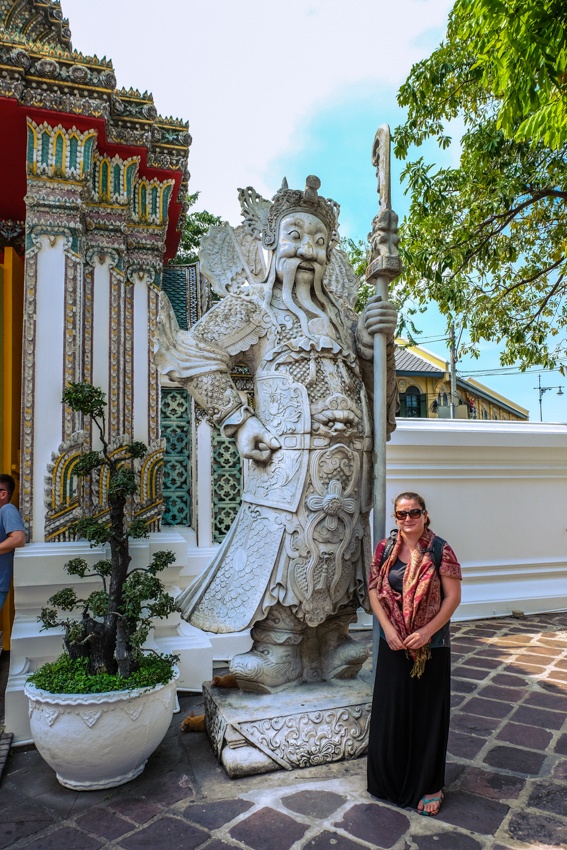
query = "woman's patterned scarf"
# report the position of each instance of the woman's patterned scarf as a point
(420, 600)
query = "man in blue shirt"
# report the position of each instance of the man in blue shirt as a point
(12, 534)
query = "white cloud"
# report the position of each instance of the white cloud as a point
(247, 75)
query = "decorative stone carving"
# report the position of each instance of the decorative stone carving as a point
(308, 726)
(294, 563)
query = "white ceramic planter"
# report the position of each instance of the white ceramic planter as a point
(95, 741)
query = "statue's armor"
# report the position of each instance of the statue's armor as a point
(301, 536)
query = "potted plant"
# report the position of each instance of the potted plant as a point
(99, 711)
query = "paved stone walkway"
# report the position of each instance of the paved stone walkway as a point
(506, 779)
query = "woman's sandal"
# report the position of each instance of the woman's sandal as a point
(425, 800)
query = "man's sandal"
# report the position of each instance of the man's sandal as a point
(425, 800)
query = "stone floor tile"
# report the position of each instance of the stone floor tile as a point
(515, 759)
(457, 700)
(477, 814)
(496, 786)
(484, 661)
(474, 724)
(465, 671)
(493, 652)
(537, 655)
(557, 675)
(135, 808)
(550, 797)
(165, 832)
(216, 814)
(453, 770)
(505, 694)
(538, 829)
(268, 828)
(554, 701)
(488, 707)
(559, 770)
(527, 669)
(538, 717)
(509, 680)
(104, 823)
(19, 821)
(461, 686)
(561, 664)
(328, 840)
(9, 797)
(464, 746)
(513, 640)
(315, 804)
(171, 788)
(217, 844)
(380, 825)
(446, 841)
(557, 688)
(65, 838)
(528, 736)
(463, 644)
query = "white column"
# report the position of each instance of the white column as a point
(204, 485)
(49, 368)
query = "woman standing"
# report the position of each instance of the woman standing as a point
(414, 587)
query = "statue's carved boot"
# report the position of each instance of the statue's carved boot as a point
(341, 656)
(274, 662)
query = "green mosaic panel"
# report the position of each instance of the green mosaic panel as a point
(227, 484)
(175, 284)
(176, 428)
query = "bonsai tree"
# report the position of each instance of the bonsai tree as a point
(104, 633)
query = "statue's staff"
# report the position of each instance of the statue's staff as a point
(384, 266)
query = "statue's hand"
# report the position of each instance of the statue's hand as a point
(379, 317)
(254, 442)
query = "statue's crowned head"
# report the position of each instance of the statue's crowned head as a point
(263, 218)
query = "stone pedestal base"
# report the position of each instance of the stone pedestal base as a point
(301, 727)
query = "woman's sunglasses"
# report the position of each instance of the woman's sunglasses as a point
(414, 513)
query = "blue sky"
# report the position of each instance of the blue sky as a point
(287, 89)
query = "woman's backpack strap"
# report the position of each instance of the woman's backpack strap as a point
(389, 546)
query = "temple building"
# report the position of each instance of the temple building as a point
(94, 187)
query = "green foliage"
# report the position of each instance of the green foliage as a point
(138, 529)
(487, 239)
(84, 398)
(196, 225)
(357, 253)
(122, 483)
(87, 463)
(136, 449)
(65, 599)
(96, 532)
(520, 48)
(106, 637)
(66, 676)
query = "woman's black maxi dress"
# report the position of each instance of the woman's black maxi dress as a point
(409, 724)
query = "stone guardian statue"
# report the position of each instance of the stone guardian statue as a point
(293, 565)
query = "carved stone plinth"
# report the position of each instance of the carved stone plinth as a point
(301, 727)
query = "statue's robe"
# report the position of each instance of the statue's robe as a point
(301, 536)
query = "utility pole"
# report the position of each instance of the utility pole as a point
(453, 370)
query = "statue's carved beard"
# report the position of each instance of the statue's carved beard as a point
(297, 296)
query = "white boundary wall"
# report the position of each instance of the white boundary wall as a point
(497, 491)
